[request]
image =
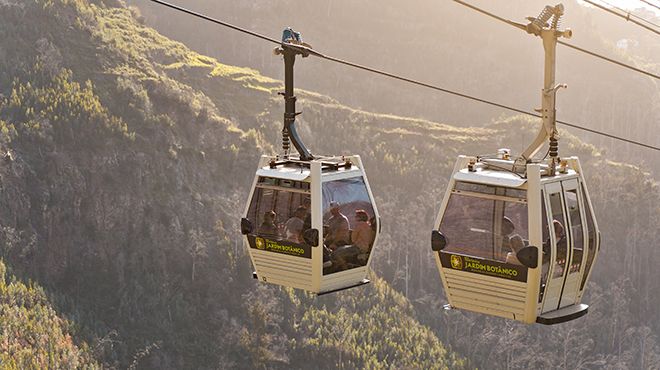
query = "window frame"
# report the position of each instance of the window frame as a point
(498, 194)
(254, 209)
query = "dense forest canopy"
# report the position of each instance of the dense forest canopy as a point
(127, 156)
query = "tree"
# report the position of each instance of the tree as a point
(196, 248)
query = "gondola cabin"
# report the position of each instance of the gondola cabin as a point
(312, 224)
(519, 246)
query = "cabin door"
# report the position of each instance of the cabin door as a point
(556, 247)
(565, 244)
(576, 232)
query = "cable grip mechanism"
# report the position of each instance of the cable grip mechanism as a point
(292, 46)
(536, 25)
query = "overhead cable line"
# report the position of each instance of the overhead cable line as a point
(504, 20)
(608, 59)
(622, 16)
(419, 83)
(629, 13)
(653, 5)
(217, 21)
(609, 135)
(481, 100)
(394, 76)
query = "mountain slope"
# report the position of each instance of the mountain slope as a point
(115, 164)
(32, 334)
(123, 148)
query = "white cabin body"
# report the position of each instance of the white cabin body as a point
(336, 212)
(514, 246)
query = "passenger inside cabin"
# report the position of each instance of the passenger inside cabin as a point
(307, 203)
(560, 235)
(373, 224)
(338, 228)
(511, 240)
(268, 228)
(362, 235)
(293, 228)
(562, 248)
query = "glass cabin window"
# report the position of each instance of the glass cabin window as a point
(545, 264)
(477, 224)
(278, 213)
(349, 224)
(577, 236)
(591, 232)
(558, 222)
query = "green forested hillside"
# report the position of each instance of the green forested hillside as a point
(126, 162)
(116, 160)
(32, 334)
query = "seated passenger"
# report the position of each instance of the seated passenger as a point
(511, 241)
(307, 204)
(516, 245)
(268, 227)
(562, 249)
(338, 228)
(293, 228)
(561, 240)
(362, 235)
(345, 257)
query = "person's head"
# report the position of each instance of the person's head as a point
(507, 226)
(559, 229)
(300, 212)
(307, 202)
(269, 216)
(516, 244)
(334, 208)
(361, 215)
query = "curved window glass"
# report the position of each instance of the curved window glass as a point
(591, 232)
(545, 264)
(279, 213)
(561, 237)
(576, 235)
(349, 224)
(486, 222)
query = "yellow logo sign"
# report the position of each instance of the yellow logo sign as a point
(260, 243)
(264, 244)
(456, 262)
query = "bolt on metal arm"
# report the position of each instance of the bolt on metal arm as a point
(292, 46)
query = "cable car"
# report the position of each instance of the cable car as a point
(310, 222)
(518, 238)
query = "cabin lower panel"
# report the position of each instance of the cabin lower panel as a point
(485, 294)
(343, 279)
(283, 270)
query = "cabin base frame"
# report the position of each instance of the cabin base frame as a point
(362, 282)
(563, 314)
